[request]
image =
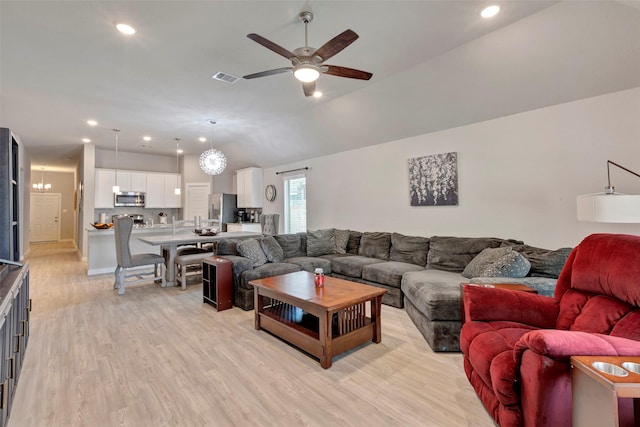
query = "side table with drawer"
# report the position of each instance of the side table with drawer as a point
(217, 282)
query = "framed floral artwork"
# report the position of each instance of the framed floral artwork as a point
(433, 180)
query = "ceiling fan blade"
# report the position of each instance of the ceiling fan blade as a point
(309, 88)
(271, 46)
(350, 73)
(268, 73)
(336, 44)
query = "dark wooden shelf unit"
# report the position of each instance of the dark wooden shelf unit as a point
(217, 282)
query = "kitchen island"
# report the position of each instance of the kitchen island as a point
(101, 257)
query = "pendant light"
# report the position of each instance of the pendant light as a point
(116, 187)
(41, 186)
(177, 190)
(212, 161)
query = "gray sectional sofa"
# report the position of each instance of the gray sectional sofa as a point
(419, 273)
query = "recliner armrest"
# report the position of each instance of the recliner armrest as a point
(494, 304)
(561, 345)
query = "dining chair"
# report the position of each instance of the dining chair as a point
(122, 227)
(270, 223)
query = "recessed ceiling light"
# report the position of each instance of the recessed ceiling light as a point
(179, 150)
(202, 139)
(125, 29)
(85, 140)
(146, 138)
(317, 94)
(92, 123)
(490, 11)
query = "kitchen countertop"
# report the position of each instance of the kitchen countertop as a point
(143, 229)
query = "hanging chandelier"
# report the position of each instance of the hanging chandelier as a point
(212, 161)
(41, 186)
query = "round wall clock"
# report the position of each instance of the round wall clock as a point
(270, 193)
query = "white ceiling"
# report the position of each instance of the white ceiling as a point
(435, 65)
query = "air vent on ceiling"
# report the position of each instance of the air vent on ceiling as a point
(224, 77)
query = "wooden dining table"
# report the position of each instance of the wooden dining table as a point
(170, 243)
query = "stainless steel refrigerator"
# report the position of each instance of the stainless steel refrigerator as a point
(223, 209)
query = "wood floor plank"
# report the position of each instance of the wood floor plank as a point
(160, 357)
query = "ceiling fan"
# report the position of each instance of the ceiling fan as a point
(307, 63)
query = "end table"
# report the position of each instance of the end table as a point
(217, 282)
(595, 393)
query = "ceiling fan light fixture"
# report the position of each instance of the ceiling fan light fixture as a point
(306, 73)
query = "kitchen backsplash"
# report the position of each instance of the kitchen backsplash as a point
(148, 213)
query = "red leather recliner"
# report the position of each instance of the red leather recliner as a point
(517, 345)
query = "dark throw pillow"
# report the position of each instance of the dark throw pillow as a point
(272, 249)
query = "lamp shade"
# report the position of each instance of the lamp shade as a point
(614, 208)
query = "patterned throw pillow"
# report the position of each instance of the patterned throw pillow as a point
(512, 264)
(483, 260)
(342, 240)
(272, 249)
(251, 249)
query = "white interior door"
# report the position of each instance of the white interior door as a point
(196, 200)
(45, 217)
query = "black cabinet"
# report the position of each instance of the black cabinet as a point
(9, 195)
(217, 282)
(14, 334)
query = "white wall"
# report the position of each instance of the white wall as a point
(518, 176)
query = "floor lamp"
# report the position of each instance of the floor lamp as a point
(610, 206)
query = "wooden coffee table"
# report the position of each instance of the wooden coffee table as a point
(323, 321)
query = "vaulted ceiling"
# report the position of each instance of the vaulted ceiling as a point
(435, 65)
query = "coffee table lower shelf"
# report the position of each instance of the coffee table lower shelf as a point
(303, 332)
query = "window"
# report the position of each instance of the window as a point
(295, 204)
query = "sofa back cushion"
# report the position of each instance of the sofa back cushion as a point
(290, 244)
(409, 249)
(321, 242)
(544, 262)
(454, 253)
(375, 245)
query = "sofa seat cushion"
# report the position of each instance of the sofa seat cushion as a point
(490, 348)
(388, 273)
(266, 270)
(351, 266)
(435, 293)
(309, 263)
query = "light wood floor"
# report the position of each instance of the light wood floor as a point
(160, 357)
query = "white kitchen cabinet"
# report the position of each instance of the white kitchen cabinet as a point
(139, 182)
(132, 181)
(171, 199)
(249, 187)
(245, 226)
(105, 180)
(160, 191)
(123, 179)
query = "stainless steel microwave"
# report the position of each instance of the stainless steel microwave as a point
(129, 198)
